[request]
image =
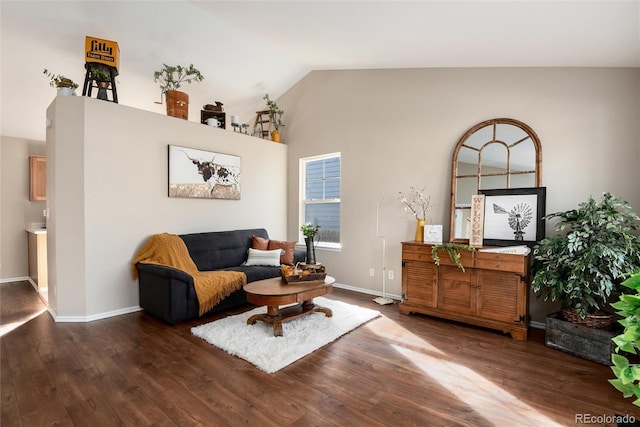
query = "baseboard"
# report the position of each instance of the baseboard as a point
(537, 325)
(366, 291)
(16, 279)
(92, 317)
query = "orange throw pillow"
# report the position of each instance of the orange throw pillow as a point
(259, 243)
(287, 247)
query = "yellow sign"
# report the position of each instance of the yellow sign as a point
(102, 51)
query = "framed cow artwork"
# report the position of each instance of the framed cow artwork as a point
(203, 174)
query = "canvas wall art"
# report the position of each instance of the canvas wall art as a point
(514, 216)
(203, 174)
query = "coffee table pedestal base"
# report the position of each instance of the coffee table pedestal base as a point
(275, 316)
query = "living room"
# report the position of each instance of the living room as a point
(394, 128)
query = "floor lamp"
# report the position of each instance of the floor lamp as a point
(383, 300)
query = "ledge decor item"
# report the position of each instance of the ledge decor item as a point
(203, 174)
(65, 86)
(514, 216)
(275, 117)
(171, 78)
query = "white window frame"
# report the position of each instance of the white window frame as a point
(303, 202)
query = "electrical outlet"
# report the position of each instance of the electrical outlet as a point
(371, 272)
(390, 274)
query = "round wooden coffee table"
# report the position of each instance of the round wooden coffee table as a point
(276, 292)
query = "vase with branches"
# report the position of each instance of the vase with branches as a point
(418, 205)
(309, 232)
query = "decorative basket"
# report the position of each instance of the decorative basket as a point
(303, 273)
(598, 320)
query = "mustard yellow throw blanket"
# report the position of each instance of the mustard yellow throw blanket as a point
(211, 286)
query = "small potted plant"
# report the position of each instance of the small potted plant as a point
(171, 79)
(275, 116)
(100, 74)
(309, 231)
(65, 85)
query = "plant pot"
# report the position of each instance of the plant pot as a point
(102, 90)
(311, 250)
(177, 104)
(65, 91)
(599, 320)
(577, 339)
(275, 136)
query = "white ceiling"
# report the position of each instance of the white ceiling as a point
(246, 49)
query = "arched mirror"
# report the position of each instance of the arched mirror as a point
(497, 153)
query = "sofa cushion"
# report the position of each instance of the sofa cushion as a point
(258, 257)
(257, 272)
(220, 249)
(287, 247)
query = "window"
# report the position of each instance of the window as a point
(320, 197)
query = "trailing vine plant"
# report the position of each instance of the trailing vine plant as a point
(453, 249)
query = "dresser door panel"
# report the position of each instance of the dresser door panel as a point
(455, 290)
(421, 282)
(498, 295)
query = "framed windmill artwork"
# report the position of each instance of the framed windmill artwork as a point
(514, 216)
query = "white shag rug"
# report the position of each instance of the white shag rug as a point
(257, 344)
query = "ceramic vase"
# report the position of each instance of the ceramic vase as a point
(419, 230)
(311, 250)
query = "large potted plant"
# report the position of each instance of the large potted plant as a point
(65, 86)
(171, 78)
(581, 268)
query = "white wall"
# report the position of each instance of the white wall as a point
(17, 212)
(398, 128)
(107, 184)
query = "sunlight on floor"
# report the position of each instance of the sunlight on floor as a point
(5, 329)
(486, 398)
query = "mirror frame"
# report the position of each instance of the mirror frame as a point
(454, 165)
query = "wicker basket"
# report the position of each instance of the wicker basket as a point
(600, 320)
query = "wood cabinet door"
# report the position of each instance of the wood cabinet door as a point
(499, 295)
(37, 178)
(455, 290)
(420, 283)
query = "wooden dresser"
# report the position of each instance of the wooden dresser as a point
(492, 292)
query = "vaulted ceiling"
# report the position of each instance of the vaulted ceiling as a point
(248, 48)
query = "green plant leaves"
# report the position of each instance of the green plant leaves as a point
(582, 266)
(171, 77)
(628, 374)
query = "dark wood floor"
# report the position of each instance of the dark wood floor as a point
(396, 370)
